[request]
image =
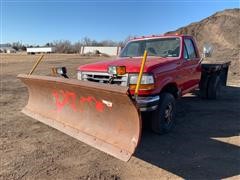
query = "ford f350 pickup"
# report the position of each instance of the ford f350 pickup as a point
(105, 106)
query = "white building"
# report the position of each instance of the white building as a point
(112, 51)
(7, 49)
(36, 50)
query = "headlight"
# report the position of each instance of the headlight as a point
(146, 79)
(79, 75)
(112, 70)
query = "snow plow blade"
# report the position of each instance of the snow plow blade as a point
(100, 115)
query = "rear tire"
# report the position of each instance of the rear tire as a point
(203, 86)
(214, 87)
(163, 117)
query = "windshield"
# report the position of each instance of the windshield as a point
(162, 47)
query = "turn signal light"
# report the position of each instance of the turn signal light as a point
(121, 70)
(142, 86)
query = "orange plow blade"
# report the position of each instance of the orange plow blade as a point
(99, 115)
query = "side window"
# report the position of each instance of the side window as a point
(190, 49)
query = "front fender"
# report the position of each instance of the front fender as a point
(163, 82)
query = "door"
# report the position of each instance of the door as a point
(190, 65)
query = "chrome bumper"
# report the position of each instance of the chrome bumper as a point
(149, 103)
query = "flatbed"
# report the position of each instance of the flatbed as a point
(214, 75)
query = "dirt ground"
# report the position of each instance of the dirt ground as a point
(203, 145)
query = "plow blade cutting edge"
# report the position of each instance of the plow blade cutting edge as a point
(99, 115)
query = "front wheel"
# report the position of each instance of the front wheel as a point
(163, 117)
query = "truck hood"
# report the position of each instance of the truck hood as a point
(132, 64)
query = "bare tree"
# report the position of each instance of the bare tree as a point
(90, 42)
(77, 47)
(49, 44)
(86, 41)
(63, 46)
(124, 42)
(108, 43)
(18, 46)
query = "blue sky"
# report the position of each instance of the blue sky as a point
(42, 21)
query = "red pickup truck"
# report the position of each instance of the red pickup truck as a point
(173, 68)
(105, 107)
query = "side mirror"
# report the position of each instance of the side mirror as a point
(207, 50)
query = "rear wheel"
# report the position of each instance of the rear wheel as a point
(163, 117)
(214, 87)
(203, 85)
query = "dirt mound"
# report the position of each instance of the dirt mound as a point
(222, 31)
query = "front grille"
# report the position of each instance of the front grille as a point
(104, 78)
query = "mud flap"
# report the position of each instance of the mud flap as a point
(100, 115)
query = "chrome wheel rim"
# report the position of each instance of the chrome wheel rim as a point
(168, 114)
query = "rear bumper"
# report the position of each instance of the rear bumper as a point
(149, 103)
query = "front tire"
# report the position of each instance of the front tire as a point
(163, 117)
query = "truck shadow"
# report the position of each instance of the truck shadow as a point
(191, 150)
